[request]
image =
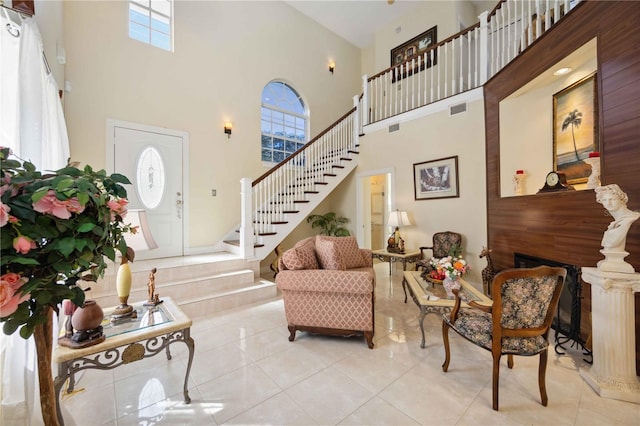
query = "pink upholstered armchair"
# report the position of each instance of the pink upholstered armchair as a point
(328, 284)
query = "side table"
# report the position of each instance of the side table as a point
(128, 340)
(409, 256)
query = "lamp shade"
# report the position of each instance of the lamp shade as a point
(141, 240)
(398, 218)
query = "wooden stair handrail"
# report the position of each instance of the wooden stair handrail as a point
(302, 148)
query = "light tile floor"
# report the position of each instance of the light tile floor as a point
(246, 371)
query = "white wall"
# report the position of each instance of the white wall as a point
(429, 13)
(435, 136)
(225, 53)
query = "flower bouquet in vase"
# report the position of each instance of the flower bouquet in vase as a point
(451, 269)
(56, 230)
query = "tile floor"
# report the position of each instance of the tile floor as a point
(245, 371)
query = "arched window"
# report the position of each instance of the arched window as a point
(284, 122)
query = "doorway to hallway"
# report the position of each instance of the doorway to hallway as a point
(374, 195)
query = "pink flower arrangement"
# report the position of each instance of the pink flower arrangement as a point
(4, 214)
(10, 294)
(23, 244)
(55, 229)
(62, 209)
(118, 207)
(449, 267)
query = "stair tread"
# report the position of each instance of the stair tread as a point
(256, 285)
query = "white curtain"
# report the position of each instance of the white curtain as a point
(32, 125)
(31, 118)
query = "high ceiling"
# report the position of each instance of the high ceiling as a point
(358, 20)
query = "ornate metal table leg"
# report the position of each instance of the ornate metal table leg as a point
(188, 340)
(63, 374)
(168, 353)
(404, 288)
(423, 313)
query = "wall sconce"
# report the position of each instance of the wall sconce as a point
(227, 128)
(332, 66)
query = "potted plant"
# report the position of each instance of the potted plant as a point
(56, 229)
(329, 224)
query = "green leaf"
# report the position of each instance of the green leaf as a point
(10, 164)
(83, 197)
(10, 326)
(121, 191)
(86, 227)
(66, 246)
(26, 331)
(77, 296)
(109, 252)
(39, 193)
(44, 298)
(118, 178)
(23, 260)
(70, 171)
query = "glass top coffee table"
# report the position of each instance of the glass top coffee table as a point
(431, 297)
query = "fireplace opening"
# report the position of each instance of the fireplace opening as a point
(568, 316)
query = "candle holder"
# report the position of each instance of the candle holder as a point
(594, 177)
(518, 182)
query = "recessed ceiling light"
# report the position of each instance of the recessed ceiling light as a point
(562, 71)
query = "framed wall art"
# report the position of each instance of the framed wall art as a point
(436, 179)
(575, 128)
(414, 47)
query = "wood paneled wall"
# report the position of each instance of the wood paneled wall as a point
(568, 226)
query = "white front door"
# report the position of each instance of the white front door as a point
(152, 159)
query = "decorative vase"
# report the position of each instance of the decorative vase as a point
(449, 284)
(88, 317)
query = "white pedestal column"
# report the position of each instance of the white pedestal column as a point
(613, 373)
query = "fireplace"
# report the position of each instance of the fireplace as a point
(567, 320)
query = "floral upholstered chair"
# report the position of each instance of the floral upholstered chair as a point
(444, 244)
(518, 322)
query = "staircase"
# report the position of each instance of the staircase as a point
(199, 284)
(277, 202)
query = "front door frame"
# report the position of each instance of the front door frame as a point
(111, 149)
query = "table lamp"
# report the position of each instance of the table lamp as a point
(397, 219)
(141, 240)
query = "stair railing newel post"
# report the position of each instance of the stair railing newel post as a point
(365, 100)
(246, 225)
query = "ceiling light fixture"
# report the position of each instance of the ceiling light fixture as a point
(562, 71)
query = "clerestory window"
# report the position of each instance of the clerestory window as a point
(151, 22)
(284, 122)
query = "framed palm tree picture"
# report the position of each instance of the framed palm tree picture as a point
(575, 128)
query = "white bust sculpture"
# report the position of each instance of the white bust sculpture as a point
(615, 237)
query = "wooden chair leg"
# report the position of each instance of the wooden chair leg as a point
(496, 378)
(542, 370)
(445, 340)
(292, 332)
(368, 335)
(510, 360)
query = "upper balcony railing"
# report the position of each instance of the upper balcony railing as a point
(461, 62)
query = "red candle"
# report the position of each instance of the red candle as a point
(594, 154)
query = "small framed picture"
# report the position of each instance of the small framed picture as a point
(436, 179)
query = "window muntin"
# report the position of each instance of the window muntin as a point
(151, 22)
(283, 120)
